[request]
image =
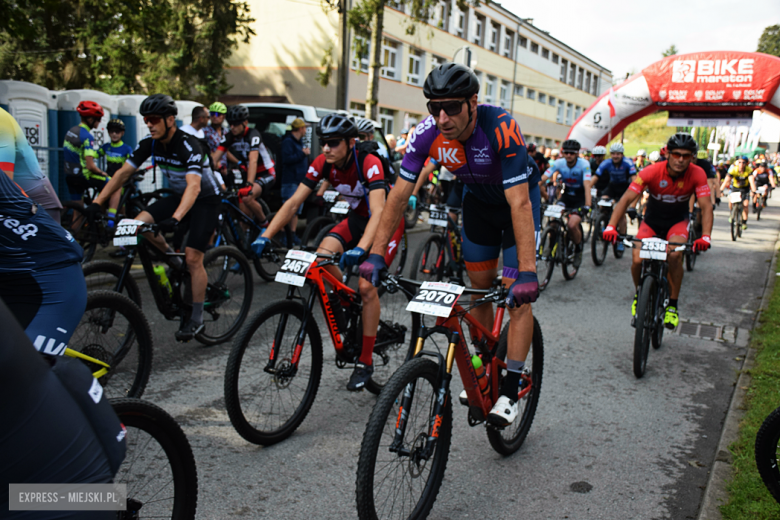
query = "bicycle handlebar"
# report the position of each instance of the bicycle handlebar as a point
(629, 240)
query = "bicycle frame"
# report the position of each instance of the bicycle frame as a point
(234, 228)
(453, 239)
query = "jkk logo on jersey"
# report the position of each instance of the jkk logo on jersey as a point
(448, 156)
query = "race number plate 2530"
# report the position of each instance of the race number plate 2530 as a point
(294, 268)
(435, 299)
(438, 216)
(653, 249)
(341, 207)
(127, 232)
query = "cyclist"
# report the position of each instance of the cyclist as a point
(214, 131)
(620, 171)
(18, 161)
(703, 162)
(641, 160)
(601, 183)
(116, 152)
(364, 187)
(670, 184)
(574, 173)
(195, 196)
(245, 145)
(740, 179)
(365, 128)
(482, 146)
(761, 177)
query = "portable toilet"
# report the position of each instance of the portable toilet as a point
(35, 109)
(185, 112)
(128, 110)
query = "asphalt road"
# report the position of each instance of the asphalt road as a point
(603, 445)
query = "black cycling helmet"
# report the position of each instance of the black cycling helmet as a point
(451, 80)
(571, 145)
(116, 125)
(336, 125)
(237, 114)
(531, 147)
(684, 141)
(158, 105)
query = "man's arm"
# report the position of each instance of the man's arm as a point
(116, 182)
(92, 166)
(705, 204)
(376, 201)
(426, 171)
(726, 182)
(393, 210)
(523, 226)
(251, 169)
(216, 155)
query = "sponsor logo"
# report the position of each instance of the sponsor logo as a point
(753, 94)
(698, 94)
(194, 157)
(736, 94)
(255, 141)
(95, 391)
(713, 71)
(24, 231)
(314, 173)
(638, 99)
(662, 94)
(518, 178)
(121, 435)
(187, 145)
(670, 199)
(663, 183)
(680, 184)
(391, 246)
(448, 156)
(597, 117)
(714, 95)
(374, 170)
(678, 95)
(481, 152)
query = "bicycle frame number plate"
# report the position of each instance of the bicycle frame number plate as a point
(296, 265)
(438, 216)
(553, 211)
(127, 232)
(330, 195)
(605, 203)
(238, 178)
(653, 249)
(735, 196)
(762, 189)
(341, 206)
(435, 298)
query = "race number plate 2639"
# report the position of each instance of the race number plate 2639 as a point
(435, 299)
(294, 268)
(127, 232)
(438, 216)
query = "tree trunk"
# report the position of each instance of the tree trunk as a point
(374, 66)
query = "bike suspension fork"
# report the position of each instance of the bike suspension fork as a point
(299, 337)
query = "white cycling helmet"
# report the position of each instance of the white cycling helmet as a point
(641, 153)
(599, 150)
(555, 152)
(364, 126)
(616, 148)
(655, 156)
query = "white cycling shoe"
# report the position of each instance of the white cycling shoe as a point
(504, 412)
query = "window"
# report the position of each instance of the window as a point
(461, 19)
(569, 107)
(548, 143)
(542, 98)
(386, 117)
(481, 97)
(555, 58)
(413, 76)
(357, 109)
(495, 30)
(535, 48)
(389, 59)
(559, 116)
(519, 90)
(436, 61)
(580, 74)
(530, 94)
(508, 45)
(490, 90)
(363, 59)
(577, 113)
(587, 82)
(552, 101)
(572, 74)
(440, 16)
(504, 95)
(545, 53)
(395, 4)
(522, 42)
(595, 86)
(564, 69)
(478, 27)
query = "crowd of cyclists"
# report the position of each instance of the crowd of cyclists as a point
(499, 186)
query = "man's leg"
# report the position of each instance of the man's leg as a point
(483, 280)
(199, 281)
(574, 228)
(745, 204)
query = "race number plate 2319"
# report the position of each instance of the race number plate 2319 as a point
(296, 265)
(127, 232)
(435, 298)
(438, 216)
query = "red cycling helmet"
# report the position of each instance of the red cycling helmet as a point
(90, 109)
(664, 151)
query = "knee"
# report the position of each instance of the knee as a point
(193, 258)
(521, 311)
(368, 292)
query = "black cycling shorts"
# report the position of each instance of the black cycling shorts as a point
(574, 201)
(202, 217)
(265, 180)
(616, 190)
(455, 198)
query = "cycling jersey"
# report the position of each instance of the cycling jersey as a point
(761, 178)
(620, 173)
(79, 144)
(180, 157)
(16, 154)
(116, 154)
(573, 178)
(348, 182)
(739, 180)
(249, 141)
(668, 201)
(707, 166)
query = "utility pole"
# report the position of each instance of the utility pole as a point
(342, 82)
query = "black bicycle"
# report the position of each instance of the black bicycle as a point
(761, 196)
(599, 247)
(735, 218)
(440, 257)
(694, 233)
(556, 246)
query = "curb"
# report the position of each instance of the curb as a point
(715, 493)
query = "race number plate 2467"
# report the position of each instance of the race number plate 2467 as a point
(294, 268)
(435, 299)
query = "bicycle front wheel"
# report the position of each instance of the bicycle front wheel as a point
(546, 262)
(429, 259)
(587, 226)
(735, 216)
(599, 247)
(403, 483)
(645, 309)
(267, 404)
(102, 275)
(228, 294)
(159, 467)
(767, 447)
(570, 266)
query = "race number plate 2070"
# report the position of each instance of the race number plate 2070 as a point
(296, 265)
(437, 217)
(127, 232)
(653, 249)
(435, 299)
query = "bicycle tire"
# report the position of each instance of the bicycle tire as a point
(323, 233)
(690, 256)
(599, 247)
(567, 267)
(229, 293)
(766, 450)
(644, 325)
(400, 257)
(657, 337)
(547, 252)
(411, 216)
(107, 337)
(102, 275)
(426, 257)
(759, 207)
(379, 433)
(82, 233)
(313, 229)
(734, 223)
(149, 478)
(588, 223)
(509, 440)
(251, 343)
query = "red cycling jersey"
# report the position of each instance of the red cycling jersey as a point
(348, 183)
(669, 196)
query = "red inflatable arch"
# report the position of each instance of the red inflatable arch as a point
(701, 85)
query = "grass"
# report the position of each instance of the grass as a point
(748, 497)
(649, 133)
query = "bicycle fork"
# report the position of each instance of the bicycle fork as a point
(270, 367)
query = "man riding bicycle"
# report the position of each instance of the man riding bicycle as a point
(363, 186)
(621, 172)
(670, 184)
(602, 181)
(483, 146)
(196, 196)
(761, 177)
(740, 179)
(574, 172)
(245, 148)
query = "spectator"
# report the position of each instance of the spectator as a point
(197, 129)
(391, 141)
(215, 131)
(401, 148)
(554, 154)
(541, 149)
(295, 163)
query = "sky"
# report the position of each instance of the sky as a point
(628, 35)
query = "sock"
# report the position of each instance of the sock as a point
(512, 378)
(172, 259)
(366, 355)
(672, 303)
(111, 213)
(197, 312)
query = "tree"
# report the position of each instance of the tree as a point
(671, 51)
(769, 42)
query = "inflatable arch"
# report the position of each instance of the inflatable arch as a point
(721, 86)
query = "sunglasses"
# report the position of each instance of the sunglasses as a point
(569, 153)
(332, 143)
(451, 108)
(153, 120)
(678, 155)
(216, 114)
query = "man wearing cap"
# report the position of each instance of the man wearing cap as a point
(294, 162)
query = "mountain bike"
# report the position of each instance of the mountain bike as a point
(406, 442)
(694, 233)
(735, 198)
(599, 247)
(228, 293)
(556, 247)
(159, 467)
(440, 257)
(274, 368)
(761, 196)
(653, 296)
(333, 212)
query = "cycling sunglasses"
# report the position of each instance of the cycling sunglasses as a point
(451, 108)
(332, 143)
(152, 119)
(216, 114)
(678, 155)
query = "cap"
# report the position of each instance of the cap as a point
(297, 123)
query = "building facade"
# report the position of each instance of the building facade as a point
(544, 83)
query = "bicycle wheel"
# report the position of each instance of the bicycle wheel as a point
(228, 294)
(658, 320)
(767, 447)
(323, 233)
(72, 218)
(548, 249)
(159, 467)
(429, 259)
(115, 331)
(599, 247)
(399, 262)
(401, 483)
(509, 440)
(736, 215)
(411, 215)
(267, 406)
(759, 207)
(102, 275)
(567, 266)
(587, 226)
(313, 228)
(644, 325)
